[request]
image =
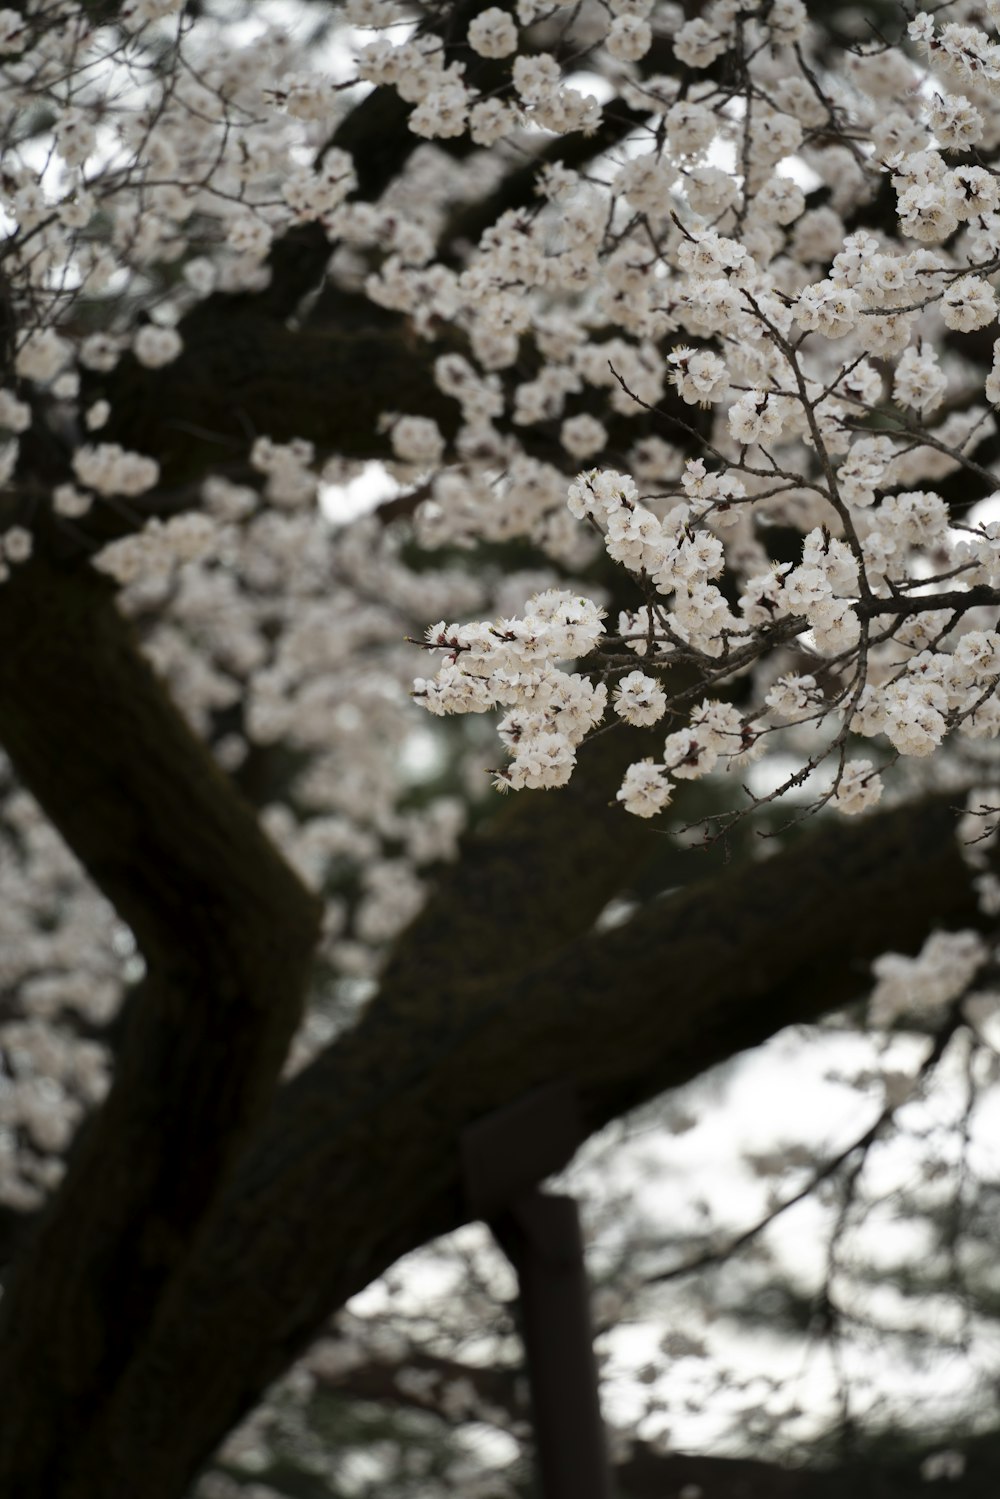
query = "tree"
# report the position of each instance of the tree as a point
(233, 275)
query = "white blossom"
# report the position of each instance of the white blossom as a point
(645, 791)
(918, 987)
(629, 38)
(859, 788)
(155, 347)
(41, 355)
(969, 303)
(110, 469)
(639, 699)
(492, 33)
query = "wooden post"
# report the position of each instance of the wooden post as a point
(505, 1155)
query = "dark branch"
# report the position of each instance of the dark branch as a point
(360, 1163)
(226, 931)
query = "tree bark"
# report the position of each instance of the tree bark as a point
(226, 931)
(201, 1239)
(358, 1161)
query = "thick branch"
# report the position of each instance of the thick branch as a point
(226, 931)
(242, 375)
(536, 876)
(360, 1160)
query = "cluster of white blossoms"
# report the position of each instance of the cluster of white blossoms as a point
(909, 685)
(110, 469)
(798, 376)
(291, 480)
(513, 663)
(255, 605)
(761, 316)
(817, 370)
(158, 548)
(154, 346)
(717, 736)
(796, 322)
(63, 978)
(922, 985)
(150, 144)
